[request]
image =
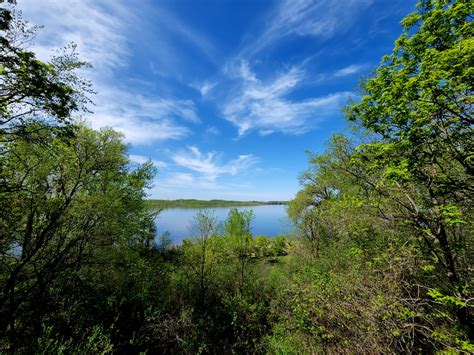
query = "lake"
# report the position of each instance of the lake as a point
(269, 220)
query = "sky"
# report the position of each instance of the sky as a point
(224, 96)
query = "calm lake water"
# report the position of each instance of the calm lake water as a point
(269, 220)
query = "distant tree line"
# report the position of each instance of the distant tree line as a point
(193, 203)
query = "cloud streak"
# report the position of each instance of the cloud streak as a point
(100, 30)
(97, 29)
(143, 120)
(178, 30)
(267, 108)
(141, 159)
(207, 164)
(349, 70)
(317, 18)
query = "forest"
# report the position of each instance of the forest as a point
(382, 261)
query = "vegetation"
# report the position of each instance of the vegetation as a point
(402, 197)
(191, 203)
(383, 257)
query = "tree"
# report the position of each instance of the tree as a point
(74, 197)
(32, 90)
(202, 254)
(411, 185)
(420, 103)
(237, 229)
(74, 229)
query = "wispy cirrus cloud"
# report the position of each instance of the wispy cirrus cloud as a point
(139, 131)
(211, 131)
(204, 88)
(97, 28)
(208, 164)
(141, 159)
(142, 119)
(173, 29)
(101, 31)
(203, 171)
(350, 70)
(319, 18)
(266, 107)
(180, 180)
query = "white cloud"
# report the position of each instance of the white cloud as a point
(179, 180)
(319, 18)
(245, 71)
(186, 185)
(141, 159)
(139, 131)
(266, 108)
(143, 120)
(208, 164)
(349, 70)
(204, 88)
(189, 185)
(173, 29)
(100, 29)
(211, 131)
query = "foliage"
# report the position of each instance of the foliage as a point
(420, 102)
(73, 199)
(191, 203)
(32, 90)
(382, 260)
(237, 230)
(410, 184)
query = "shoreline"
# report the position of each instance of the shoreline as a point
(193, 203)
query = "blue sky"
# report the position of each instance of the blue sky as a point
(223, 96)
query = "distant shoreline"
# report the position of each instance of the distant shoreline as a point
(192, 203)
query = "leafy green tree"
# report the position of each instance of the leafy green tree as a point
(32, 90)
(407, 192)
(420, 103)
(202, 255)
(165, 242)
(76, 237)
(74, 197)
(237, 229)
